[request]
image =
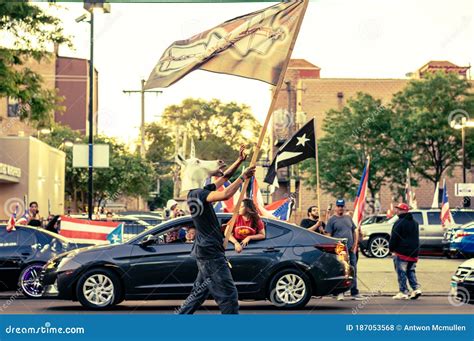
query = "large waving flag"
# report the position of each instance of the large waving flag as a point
(445, 211)
(87, 231)
(299, 147)
(359, 203)
(253, 46)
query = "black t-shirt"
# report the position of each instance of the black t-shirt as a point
(209, 236)
(307, 223)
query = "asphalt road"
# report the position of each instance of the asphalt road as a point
(327, 305)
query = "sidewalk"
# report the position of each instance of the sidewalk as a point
(377, 276)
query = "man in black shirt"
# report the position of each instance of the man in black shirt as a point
(313, 223)
(214, 275)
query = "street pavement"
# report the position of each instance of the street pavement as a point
(377, 276)
(327, 305)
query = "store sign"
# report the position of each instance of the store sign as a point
(10, 170)
(464, 190)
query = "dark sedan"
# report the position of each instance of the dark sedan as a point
(23, 252)
(288, 267)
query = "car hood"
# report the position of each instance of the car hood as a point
(468, 264)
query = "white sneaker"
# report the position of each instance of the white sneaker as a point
(400, 296)
(340, 297)
(415, 294)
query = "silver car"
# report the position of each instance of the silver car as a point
(375, 237)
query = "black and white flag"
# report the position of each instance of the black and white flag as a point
(299, 147)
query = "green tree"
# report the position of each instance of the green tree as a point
(217, 128)
(31, 31)
(359, 130)
(422, 137)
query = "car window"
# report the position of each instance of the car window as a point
(26, 237)
(418, 217)
(274, 231)
(183, 233)
(434, 218)
(8, 238)
(461, 217)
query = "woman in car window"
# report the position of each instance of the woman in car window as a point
(248, 226)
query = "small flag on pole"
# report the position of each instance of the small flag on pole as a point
(254, 46)
(12, 221)
(435, 203)
(359, 203)
(445, 211)
(410, 196)
(116, 236)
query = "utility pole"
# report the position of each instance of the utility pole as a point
(142, 92)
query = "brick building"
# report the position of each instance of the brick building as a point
(306, 95)
(69, 76)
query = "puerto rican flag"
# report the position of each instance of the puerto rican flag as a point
(445, 211)
(280, 209)
(227, 205)
(87, 231)
(359, 203)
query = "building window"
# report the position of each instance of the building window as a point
(340, 95)
(13, 107)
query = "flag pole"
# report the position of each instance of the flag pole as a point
(318, 188)
(276, 91)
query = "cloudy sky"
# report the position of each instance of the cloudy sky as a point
(346, 38)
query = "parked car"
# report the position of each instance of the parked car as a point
(23, 252)
(462, 282)
(157, 265)
(374, 219)
(459, 241)
(375, 237)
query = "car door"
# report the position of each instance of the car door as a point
(162, 268)
(249, 268)
(10, 260)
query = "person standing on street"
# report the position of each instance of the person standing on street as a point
(313, 223)
(214, 276)
(405, 246)
(340, 225)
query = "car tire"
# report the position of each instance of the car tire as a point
(378, 246)
(29, 280)
(99, 289)
(290, 289)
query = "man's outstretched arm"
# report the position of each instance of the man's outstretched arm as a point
(233, 168)
(230, 191)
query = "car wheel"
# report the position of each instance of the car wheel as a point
(29, 281)
(99, 289)
(290, 289)
(378, 246)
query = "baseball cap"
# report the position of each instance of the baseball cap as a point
(340, 202)
(402, 206)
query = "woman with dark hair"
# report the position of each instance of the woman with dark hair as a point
(248, 226)
(34, 218)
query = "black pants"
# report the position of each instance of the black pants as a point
(213, 278)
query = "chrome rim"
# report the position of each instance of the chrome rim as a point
(379, 247)
(98, 289)
(30, 281)
(290, 289)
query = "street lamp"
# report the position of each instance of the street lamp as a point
(93, 7)
(462, 124)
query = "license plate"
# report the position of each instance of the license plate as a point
(454, 288)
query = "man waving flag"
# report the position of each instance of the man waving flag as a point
(299, 147)
(253, 46)
(359, 203)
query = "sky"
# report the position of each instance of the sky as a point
(345, 38)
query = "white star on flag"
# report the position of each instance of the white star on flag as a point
(302, 140)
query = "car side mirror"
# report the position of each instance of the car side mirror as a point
(148, 240)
